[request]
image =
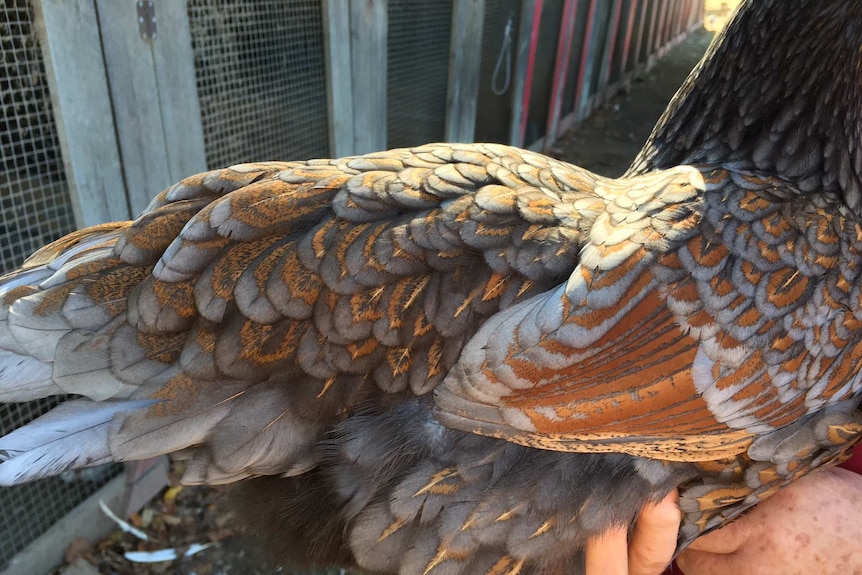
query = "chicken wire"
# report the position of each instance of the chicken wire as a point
(261, 79)
(417, 71)
(35, 208)
(34, 201)
(30, 510)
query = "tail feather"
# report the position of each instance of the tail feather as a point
(24, 378)
(73, 435)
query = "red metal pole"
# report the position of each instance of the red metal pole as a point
(630, 24)
(531, 66)
(662, 25)
(641, 27)
(658, 40)
(582, 68)
(653, 24)
(688, 9)
(561, 68)
(615, 29)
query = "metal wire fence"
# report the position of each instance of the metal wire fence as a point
(260, 73)
(34, 203)
(35, 208)
(418, 71)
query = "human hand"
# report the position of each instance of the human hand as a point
(812, 526)
(651, 547)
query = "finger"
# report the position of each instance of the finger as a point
(654, 538)
(725, 540)
(607, 554)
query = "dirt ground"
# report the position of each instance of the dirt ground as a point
(611, 137)
(183, 516)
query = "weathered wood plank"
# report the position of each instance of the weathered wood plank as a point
(465, 56)
(69, 36)
(134, 95)
(339, 80)
(178, 95)
(368, 44)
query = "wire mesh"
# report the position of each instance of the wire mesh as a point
(35, 208)
(261, 79)
(494, 114)
(30, 510)
(417, 71)
(34, 199)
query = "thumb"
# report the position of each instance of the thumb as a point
(654, 537)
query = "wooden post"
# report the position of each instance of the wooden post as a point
(368, 31)
(528, 37)
(339, 76)
(465, 57)
(561, 68)
(69, 36)
(144, 479)
(134, 94)
(609, 47)
(154, 97)
(178, 92)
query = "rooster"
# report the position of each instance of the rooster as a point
(470, 359)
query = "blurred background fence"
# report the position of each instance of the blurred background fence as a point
(107, 102)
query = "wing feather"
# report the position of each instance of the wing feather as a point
(668, 342)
